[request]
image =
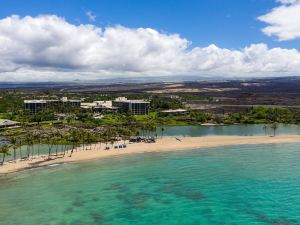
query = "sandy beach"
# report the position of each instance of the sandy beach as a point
(162, 145)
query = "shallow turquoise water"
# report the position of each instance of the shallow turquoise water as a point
(230, 185)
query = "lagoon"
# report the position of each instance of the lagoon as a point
(240, 130)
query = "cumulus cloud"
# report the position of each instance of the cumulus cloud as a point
(283, 21)
(287, 1)
(92, 17)
(50, 48)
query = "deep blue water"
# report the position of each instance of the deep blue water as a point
(255, 184)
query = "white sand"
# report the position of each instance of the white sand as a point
(162, 145)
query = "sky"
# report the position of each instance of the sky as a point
(55, 40)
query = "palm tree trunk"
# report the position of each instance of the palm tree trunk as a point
(49, 151)
(3, 158)
(20, 149)
(28, 152)
(38, 149)
(32, 151)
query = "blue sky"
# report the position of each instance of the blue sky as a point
(53, 39)
(226, 23)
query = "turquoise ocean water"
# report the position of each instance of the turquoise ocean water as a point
(255, 184)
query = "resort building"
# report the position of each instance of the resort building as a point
(173, 112)
(99, 106)
(36, 106)
(135, 107)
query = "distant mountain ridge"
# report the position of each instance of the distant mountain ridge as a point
(133, 80)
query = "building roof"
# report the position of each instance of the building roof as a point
(35, 101)
(4, 123)
(98, 105)
(138, 101)
(123, 99)
(174, 110)
(51, 101)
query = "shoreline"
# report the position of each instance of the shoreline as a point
(162, 145)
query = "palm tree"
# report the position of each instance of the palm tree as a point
(49, 139)
(162, 132)
(5, 151)
(83, 135)
(58, 141)
(126, 133)
(152, 128)
(107, 137)
(89, 140)
(29, 143)
(265, 127)
(15, 146)
(274, 126)
(20, 148)
(74, 139)
(66, 142)
(37, 136)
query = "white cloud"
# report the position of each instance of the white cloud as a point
(50, 48)
(283, 21)
(92, 17)
(287, 1)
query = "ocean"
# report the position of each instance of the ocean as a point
(246, 184)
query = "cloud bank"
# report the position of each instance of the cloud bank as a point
(50, 48)
(283, 21)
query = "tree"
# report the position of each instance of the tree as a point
(49, 139)
(15, 145)
(29, 143)
(162, 132)
(20, 148)
(5, 151)
(265, 127)
(150, 128)
(83, 137)
(274, 126)
(58, 140)
(90, 138)
(36, 135)
(126, 134)
(74, 138)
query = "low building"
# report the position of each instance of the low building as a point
(9, 124)
(36, 106)
(135, 107)
(99, 106)
(173, 112)
(169, 96)
(62, 116)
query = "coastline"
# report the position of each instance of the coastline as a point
(162, 145)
